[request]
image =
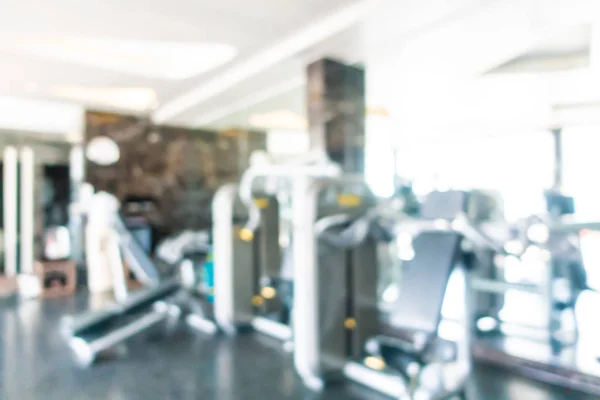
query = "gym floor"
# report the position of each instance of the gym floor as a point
(36, 364)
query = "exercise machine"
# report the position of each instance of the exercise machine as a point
(534, 245)
(91, 333)
(250, 287)
(339, 331)
(557, 246)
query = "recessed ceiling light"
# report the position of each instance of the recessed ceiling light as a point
(147, 58)
(279, 119)
(378, 111)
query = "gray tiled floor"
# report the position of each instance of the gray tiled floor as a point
(35, 364)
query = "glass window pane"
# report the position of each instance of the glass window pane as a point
(519, 166)
(580, 161)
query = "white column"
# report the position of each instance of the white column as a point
(306, 329)
(27, 182)
(76, 228)
(10, 210)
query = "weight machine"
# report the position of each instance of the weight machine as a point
(535, 243)
(250, 288)
(339, 330)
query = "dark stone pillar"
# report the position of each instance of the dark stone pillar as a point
(336, 112)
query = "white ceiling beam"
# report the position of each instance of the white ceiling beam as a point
(388, 21)
(471, 44)
(288, 47)
(493, 35)
(249, 101)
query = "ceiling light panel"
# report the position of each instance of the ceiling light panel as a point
(51, 117)
(167, 60)
(134, 99)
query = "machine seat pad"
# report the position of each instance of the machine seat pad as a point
(403, 361)
(436, 350)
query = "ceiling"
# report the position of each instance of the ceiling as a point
(138, 55)
(476, 64)
(568, 50)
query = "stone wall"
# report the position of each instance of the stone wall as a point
(179, 168)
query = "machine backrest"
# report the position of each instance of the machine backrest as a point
(135, 255)
(424, 280)
(444, 205)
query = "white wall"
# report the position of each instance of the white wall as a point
(519, 165)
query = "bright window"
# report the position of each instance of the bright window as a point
(580, 163)
(519, 166)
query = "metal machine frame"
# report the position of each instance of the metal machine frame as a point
(552, 326)
(90, 333)
(450, 378)
(233, 271)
